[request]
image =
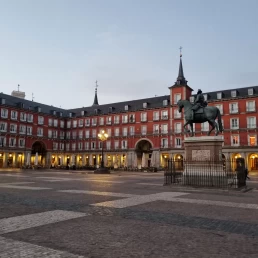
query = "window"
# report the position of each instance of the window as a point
(80, 134)
(233, 93)
(74, 123)
(96, 111)
(164, 115)
(233, 108)
(109, 132)
(93, 145)
(4, 113)
(205, 127)
(252, 140)
(81, 123)
(132, 118)
(116, 131)
(131, 130)
(62, 134)
(49, 133)
(55, 146)
(21, 143)
(251, 122)
(178, 143)
(178, 127)
(126, 107)
(30, 118)
(164, 143)
(94, 121)
(86, 145)
(108, 145)
(12, 142)
(62, 124)
(192, 99)
(3, 127)
(73, 146)
(61, 146)
(22, 129)
(3, 101)
(155, 115)
(2, 141)
(68, 135)
(125, 131)
(219, 95)
(177, 97)
(70, 114)
(145, 105)
(29, 130)
(14, 115)
(165, 102)
(250, 91)
(39, 131)
(144, 130)
(205, 96)
(100, 145)
(23, 116)
(124, 144)
(116, 145)
(177, 114)
(234, 123)
(13, 128)
(94, 133)
(116, 121)
(68, 125)
(250, 106)
(80, 146)
(155, 129)
(220, 107)
(87, 134)
(110, 109)
(235, 140)
(40, 120)
(82, 112)
(50, 122)
(87, 122)
(124, 119)
(164, 129)
(74, 134)
(67, 146)
(55, 134)
(101, 121)
(143, 117)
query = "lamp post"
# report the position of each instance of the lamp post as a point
(102, 169)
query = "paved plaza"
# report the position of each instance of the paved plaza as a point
(62, 214)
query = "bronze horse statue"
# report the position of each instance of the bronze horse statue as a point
(204, 114)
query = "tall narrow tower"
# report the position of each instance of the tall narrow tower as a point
(95, 102)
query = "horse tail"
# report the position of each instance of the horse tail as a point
(219, 121)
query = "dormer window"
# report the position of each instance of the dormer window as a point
(233, 93)
(96, 111)
(21, 105)
(39, 109)
(205, 96)
(219, 95)
(2, 101)
(54, 112)
(165, 102)
(145, 104)
(82, 113)
(110, 109)
(126, 107)
(250, 91)
(61, 113)
(70, 114)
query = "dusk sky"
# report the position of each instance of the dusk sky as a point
(57, 49)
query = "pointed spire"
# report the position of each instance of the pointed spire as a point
(96, 103)
(181, 78)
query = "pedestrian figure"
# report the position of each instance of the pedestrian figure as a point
(246, 174)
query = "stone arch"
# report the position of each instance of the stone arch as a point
(142, 142)
(143, 150)
(253, 161)
(38, 146)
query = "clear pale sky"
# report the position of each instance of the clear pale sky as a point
(57, 49)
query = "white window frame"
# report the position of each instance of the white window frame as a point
(252, 108)
(234, 123)
(4, 113)
(235, 142)
(219, 95)
(177, 97)
(14, 115)
(252, 124)
(250, 92)
(232, 109)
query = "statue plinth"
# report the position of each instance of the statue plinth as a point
(203, 161)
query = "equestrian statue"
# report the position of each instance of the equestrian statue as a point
(200, 112)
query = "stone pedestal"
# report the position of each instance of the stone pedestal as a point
(203, 161)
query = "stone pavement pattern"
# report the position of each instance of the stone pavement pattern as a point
(57, 214)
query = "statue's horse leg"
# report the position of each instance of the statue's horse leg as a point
(213, 125)
(191, 125)
(185, 129)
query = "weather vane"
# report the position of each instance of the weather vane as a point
(180, 51)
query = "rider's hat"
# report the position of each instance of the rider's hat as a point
(199, 91)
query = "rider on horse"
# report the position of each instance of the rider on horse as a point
(198, 103)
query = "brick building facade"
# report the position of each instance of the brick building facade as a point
(147, 129)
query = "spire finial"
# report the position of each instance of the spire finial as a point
(95, 102)
(96, 86)
(180, 51)
(18, 87)
(32, 96)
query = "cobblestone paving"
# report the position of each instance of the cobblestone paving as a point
(74, 216)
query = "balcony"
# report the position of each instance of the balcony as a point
(155, 118)
(165, 117)
(251, 126)
(250, 109)
(233, 111)
(116, 122)
(144, 119)
(155, 131)
(124, 121)
(108, 122)
(177, 116)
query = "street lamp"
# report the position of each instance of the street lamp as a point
(102, 170)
